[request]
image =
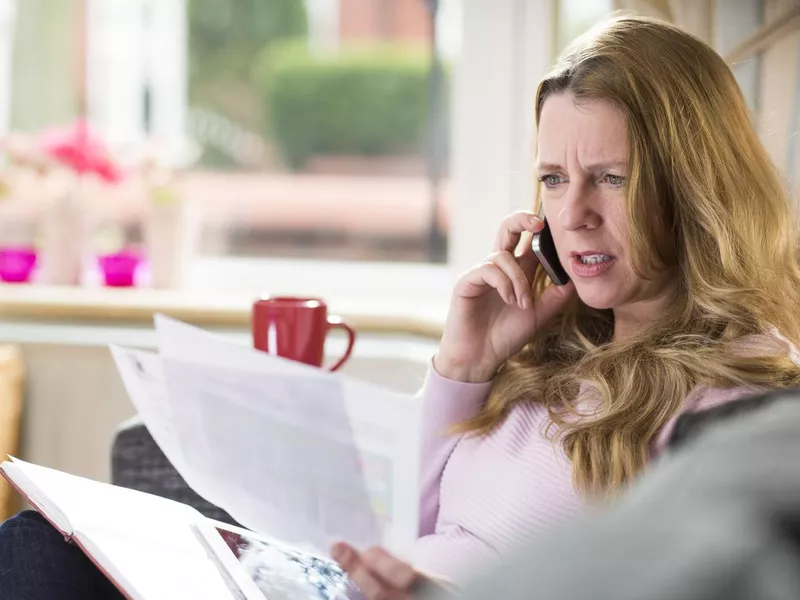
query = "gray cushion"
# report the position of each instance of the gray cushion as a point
(138, 463)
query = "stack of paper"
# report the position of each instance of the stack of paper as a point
(297, 453)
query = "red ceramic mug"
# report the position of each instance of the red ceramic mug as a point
(296, 328)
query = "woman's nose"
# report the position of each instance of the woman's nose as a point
(577, 210)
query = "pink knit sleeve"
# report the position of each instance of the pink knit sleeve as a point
(445, 403)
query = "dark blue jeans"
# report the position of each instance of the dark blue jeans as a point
(36, 563)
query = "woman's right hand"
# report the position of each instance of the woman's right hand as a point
(492, 313)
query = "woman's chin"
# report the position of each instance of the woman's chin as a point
(597, 299)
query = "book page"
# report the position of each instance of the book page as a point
(297, 453)
(143, 377)
(146, 543)
(161, 571)
(325, 448)
(13, 471)
(91, 504)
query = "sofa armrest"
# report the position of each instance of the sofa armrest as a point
(139, 464)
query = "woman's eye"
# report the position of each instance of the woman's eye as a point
(551, 181)
(614, 180)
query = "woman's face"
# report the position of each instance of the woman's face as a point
(582, 165)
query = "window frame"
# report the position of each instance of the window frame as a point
(507, 45)
(506, 48)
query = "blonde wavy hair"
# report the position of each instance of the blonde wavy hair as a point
(706, 206)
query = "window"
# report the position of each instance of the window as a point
(320, 128)
(306, 128)
(297, 193)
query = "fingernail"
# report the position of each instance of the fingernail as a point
(526, 301)
(340, 553)
(337, 552)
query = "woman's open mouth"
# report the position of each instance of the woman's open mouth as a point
(591, 264)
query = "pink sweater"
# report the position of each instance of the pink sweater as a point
(483, 495)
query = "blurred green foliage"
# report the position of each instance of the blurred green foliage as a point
(224, 38)
(365, 100)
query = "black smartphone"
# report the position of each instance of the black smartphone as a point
(545, 251)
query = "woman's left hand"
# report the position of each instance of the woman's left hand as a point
(378, 574)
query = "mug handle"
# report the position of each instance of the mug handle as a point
(335, 322)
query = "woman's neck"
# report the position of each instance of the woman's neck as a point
(630, 319)
(625, 329)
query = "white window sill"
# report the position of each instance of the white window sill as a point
(25, 306)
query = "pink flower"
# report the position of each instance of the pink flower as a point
(78, 148)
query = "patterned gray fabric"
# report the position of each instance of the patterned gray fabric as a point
(138, 463)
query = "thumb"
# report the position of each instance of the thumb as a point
(552, 301)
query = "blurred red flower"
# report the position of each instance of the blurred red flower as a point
(81, 150)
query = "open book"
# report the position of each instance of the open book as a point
(300, 456)
(151, 548)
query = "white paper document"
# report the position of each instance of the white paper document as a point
(294, 452)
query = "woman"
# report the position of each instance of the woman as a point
(680, 244)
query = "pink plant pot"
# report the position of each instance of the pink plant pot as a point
(119, 269)
(17, 264)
